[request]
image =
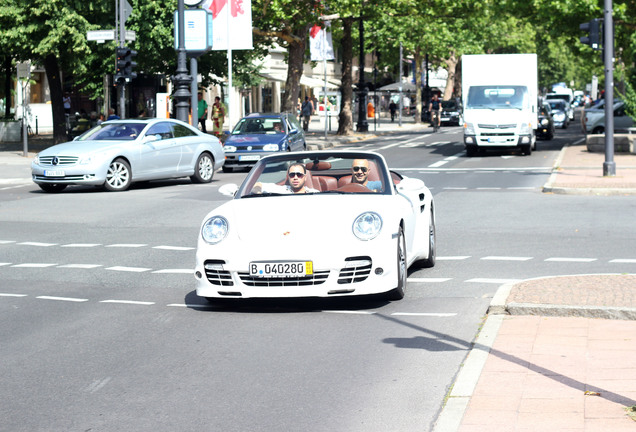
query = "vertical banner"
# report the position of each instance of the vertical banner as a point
(240, 25)
(320, 44)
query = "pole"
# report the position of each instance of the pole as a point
(400, 87)
(324, 66)
(182, 79)
(194, 101)
(25, 140)
(363, 125)
(121, 88)
(229, 71)
(609, 166)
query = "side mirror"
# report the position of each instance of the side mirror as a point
(293, 131)
(228, 189)
(151, 138)
(410, 184)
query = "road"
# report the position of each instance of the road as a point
(101, 329)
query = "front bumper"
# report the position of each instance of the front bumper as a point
(244, 159)
(507, 140)
(70, 175)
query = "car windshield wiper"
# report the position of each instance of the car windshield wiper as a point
(263, 194)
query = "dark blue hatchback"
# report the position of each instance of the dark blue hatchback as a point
(258, 135)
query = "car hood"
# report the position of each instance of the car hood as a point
(301, 219)
(80, 147)
(254, 139)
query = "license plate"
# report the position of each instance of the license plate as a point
(496, 140)
(445, 118)
(54, 173)
(281, 269)
(249, 157)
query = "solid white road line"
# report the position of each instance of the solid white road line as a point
(132, 302)
(37, 244)
(129, 269)
(506, 258)
(494, 281)
(428, 280)
(557, 259)
(175, 271)
(176, 248)
(68, 299)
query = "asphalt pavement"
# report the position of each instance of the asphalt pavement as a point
(554, 353)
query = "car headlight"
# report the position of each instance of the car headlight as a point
(525, 128)
(544, 122)
(84, 160)
(214, 229)
(469, 129)
(229, 149)
(270, 147)
(367, 226)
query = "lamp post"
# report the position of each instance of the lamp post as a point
(609, 166)
(182, 79)
(363, 125)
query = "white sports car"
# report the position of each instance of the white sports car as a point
(352, 227)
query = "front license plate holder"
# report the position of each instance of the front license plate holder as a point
(249, 157)
(281, 269)
(54, 173)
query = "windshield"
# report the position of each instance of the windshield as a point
(114, 132)
(498, 97)
(449, 105)
(260, 125)
(557, 105)
(317, 173)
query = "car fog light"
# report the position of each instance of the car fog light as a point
(379, 271)
(197, 274)
(525, 140)
(469, 140)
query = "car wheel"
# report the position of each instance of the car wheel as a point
(430, 261)
(398, 292)
(471, 151)
(203, 169)
(52, 187)
(598, 130)
(118, 176)
(227, 169)
(526, 149)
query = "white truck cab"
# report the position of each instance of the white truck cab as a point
(500, 101)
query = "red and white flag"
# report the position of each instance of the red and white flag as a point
(240, 23)
(320, 44)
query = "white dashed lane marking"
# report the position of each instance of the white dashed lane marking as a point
(129, 269)
(67, 299)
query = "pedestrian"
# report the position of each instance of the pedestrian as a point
(306, 110)
(202, 107)
(112, 115)
(218, 117)
(67, 104)
(392, 109)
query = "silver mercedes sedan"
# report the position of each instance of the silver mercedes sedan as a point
(118, 152)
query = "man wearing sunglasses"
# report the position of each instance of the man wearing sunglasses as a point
(360, 174)
(295, 182)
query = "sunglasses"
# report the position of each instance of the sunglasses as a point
(363, 169)
(296, 174)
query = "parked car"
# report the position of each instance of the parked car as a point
(559, 113)
(338, 238)
(545, 129)
(451, 112)
(258, 135)
(120, 152)
(594, 118)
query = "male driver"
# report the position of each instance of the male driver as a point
(295, 183)
(360, 174)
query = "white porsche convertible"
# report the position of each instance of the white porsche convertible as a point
(316, 224)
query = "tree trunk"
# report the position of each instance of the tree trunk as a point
(345, 118)
(418, 86)
(57, 105)
(451, 64)
(8, 74)
(296, 53)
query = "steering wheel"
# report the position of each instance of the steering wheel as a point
(353, 187)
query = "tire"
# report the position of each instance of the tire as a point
(471, 150)
(526, 149)
(398, 292)
(119, 176)
(227, 169)
(430, 261)
(598, 130)
(203, 169)
(52, 187)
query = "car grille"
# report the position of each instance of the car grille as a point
(497, 126)
(61, 160)
(356, 270)
(216, 275)
(63, 178)
(317, 278)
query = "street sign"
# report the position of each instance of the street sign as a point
(198, 30)
(127, 10)
(24, 68)
(100, 35)
(131, 35)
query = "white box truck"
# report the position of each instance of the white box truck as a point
(500, 101)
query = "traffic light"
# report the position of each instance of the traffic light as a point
(595, 37)
(124, 65)
(130, 64)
